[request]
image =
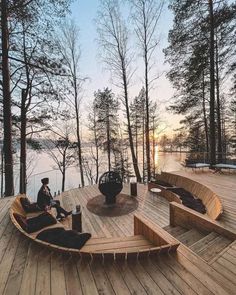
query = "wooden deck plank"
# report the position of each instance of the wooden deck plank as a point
(128, 249)
(115, 278)
(7, 260)
(164, 284)
(88, 284)
(58, 283)
(130, 279)
(43, 283)
(189, 278)
(203, 243)
(224, 272)
(97, 241)
(227, 265)
(30, 271)
(175, 230)
(101, 280)
(201, 270)
(146, 280)
(16, 272)
(174, 277)
(232, 254)
(73, 285)
(5, 238)
(190, 237)
(182, 273)
(213, 248)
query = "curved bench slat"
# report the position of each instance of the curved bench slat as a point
(210, 200)
(151, 238)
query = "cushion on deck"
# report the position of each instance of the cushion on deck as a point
(21, 220)
(28, 206)
(41, 221)
(64, 238)
(162, 183)
(50, 235)
(189, 200)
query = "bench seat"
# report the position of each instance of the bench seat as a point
(224, 166)
(210, 200)
(123, 244)
(148, 239)
(197, 165)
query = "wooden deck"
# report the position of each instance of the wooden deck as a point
(26, 268)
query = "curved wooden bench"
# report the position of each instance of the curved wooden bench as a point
(149, 239)
(210, 200)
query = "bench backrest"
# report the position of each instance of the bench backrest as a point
(17, 207)
(160, 241)
(210, 199)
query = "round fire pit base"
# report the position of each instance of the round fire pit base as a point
(124, 205)
(110, 201)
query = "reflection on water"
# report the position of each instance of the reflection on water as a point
(169, 161)
(42, 166)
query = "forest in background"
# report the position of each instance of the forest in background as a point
(42, 87)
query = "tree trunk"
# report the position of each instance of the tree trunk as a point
(218, 109)
(204, 114)
(79, 145)
(147, 119)
(212, 88)
(153, 147)
(143, 143)
(78, 125)
(2, 163)
(136, 138)
(96, 147)
(23, 119)
(23, 144)
(97, 168)
(134, 159)
(63, 172)
(7, 117)
(108, 140)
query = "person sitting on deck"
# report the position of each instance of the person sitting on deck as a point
(45, 200)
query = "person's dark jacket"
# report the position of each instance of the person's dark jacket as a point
(44, 199)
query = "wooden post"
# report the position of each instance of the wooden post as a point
(77, 221)
(133, 189)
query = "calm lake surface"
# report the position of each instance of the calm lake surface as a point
(41, 165)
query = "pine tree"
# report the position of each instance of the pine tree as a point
(199, 47)
(107, 107)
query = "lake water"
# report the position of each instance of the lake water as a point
(41, 165)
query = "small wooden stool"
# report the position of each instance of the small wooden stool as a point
(155, 191)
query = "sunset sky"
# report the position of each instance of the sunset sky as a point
(84, 13)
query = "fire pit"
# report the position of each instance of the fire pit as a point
(110, 185)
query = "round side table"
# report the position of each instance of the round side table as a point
(155, 191)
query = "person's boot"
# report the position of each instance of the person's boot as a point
(68, 213)
(59, 217)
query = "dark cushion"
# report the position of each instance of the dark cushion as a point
(73, 239)
(50, 235)
(21, 221)
(189, 200)
(41, 221)
(181, 192)
(64, 238)
(28, 206)
(162, 183)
